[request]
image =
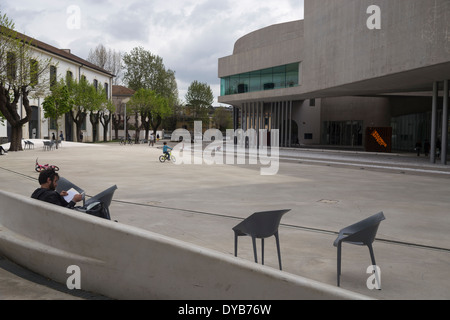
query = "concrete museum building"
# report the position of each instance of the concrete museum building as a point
(367, 74)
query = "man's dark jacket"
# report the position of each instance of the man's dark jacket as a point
(51, 196)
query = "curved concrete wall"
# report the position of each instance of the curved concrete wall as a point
(269, 47)
(270, 36)
(124, 262)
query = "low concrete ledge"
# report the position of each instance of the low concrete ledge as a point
(124, 262)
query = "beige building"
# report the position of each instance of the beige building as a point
(121, 95)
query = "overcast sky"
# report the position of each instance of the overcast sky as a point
(190, 35)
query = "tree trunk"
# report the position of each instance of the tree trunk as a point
(9, 109)
(57, 132)
(94, 119)
(156, 124)
(78, 126)
(16, 138)
(105, 120)
(138, 128)
(78, 120)
(145, 120)
(116, 124)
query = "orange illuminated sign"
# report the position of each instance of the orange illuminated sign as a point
(379, 139)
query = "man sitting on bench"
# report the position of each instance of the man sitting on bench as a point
(48, 179)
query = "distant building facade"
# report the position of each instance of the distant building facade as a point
(337, 78)
(121, 95)
(64, 64)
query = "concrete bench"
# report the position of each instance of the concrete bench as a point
(124, 262)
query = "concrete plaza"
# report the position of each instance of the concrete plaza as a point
(325, 190)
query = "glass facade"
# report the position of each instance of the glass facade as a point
(408, 130)
(267, 79)
(412, 129)
(343, 133)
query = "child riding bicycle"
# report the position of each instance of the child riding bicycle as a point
(166, 150)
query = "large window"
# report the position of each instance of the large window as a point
(267, 79)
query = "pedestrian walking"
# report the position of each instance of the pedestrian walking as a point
(418, 148)
(151, 140)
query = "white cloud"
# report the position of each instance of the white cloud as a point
(190, 35)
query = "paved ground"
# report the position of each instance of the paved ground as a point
(325, 190)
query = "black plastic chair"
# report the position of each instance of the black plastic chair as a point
(260, 225)
(105, 197)
(46, 146)
(66, 185)
(362, 234)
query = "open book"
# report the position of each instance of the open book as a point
(70, 194)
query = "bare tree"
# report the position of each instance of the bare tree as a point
(107, 59)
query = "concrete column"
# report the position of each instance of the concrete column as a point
(279, 121)
(249, 115)
(445, 125)
(242, 117)
(252, 107)
(261, 119)
(257, 124)
(283, 117)
(434, 122)
(280, 104)
(234, 117)
(238, 116)
(257, 117)
(285, 107)
(284, 123)
(271, 117)
(290, 123)
(244, 124)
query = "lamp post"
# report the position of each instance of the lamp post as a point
(125, 101)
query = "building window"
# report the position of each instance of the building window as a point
(11, 66)
(280, 77)
(106, 90)
(53, 124)
(53, 76)
(34, 72)
(95, 84)
(69, 77)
